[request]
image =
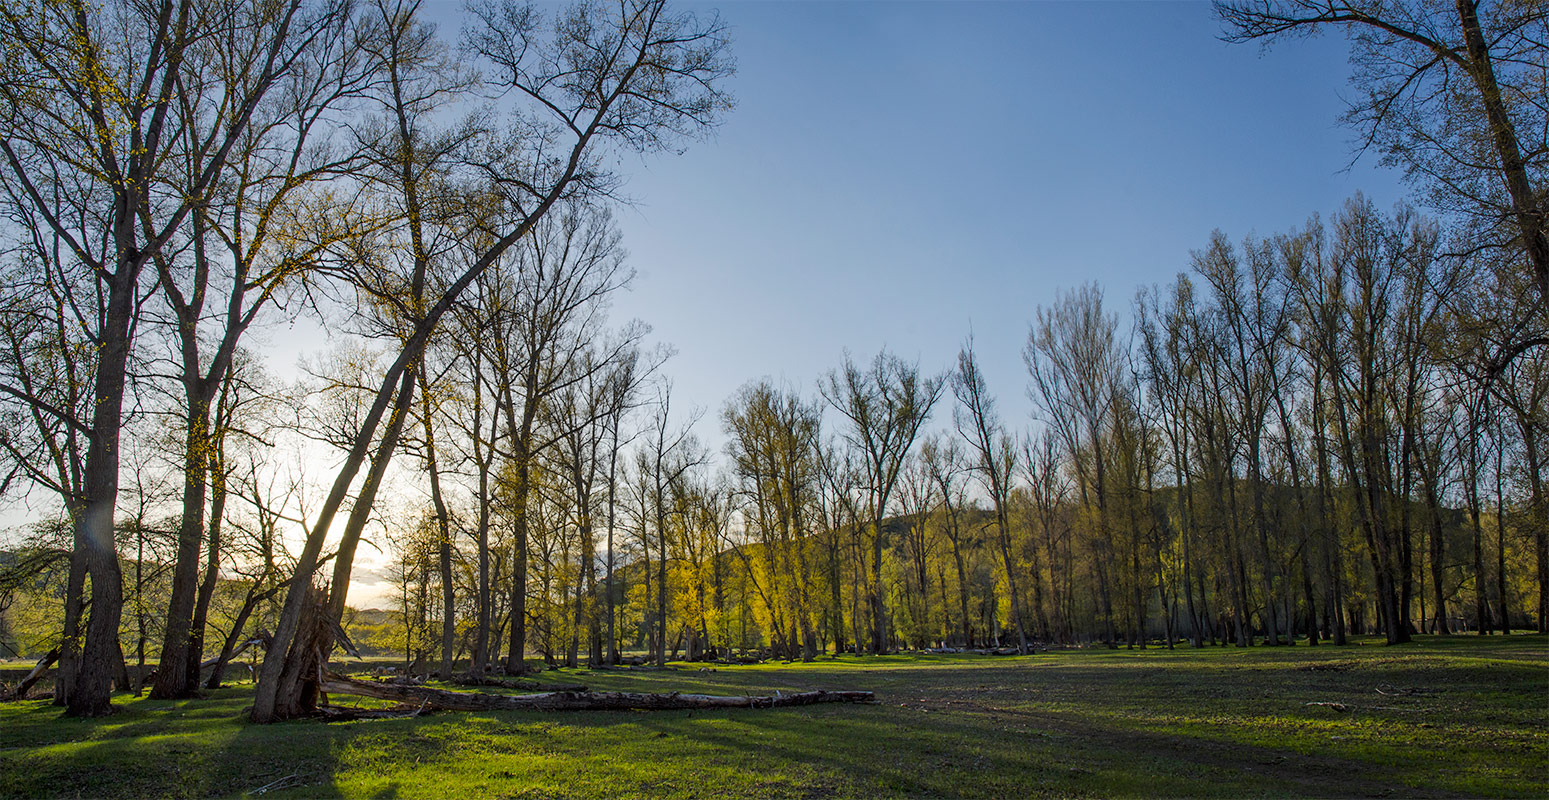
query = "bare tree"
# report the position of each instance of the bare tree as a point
(663, 461)
(1072, 356)
(885, 407)
(943, 462)
(1170, 372)
(607, 376)
(247, 245)
(1454, 93)
(994, 463)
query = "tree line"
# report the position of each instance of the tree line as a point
(1332, 431)
(1292, 441)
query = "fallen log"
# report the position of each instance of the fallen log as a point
(342, 714)
(525, 684)
(20, 692)
(441, 700)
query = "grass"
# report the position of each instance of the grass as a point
(1454, 717)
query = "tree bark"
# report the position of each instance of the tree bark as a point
(211, 574)
(89, 697)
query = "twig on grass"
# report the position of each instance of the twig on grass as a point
(282, 783)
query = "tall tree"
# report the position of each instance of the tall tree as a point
(662, 463)
(578, 416)
(250, 242)
(108, 172)
(943, 462)
(773, 438)
(885, 406)
(994, 463)
(1073, 356)
(1453, 93)
(1170, 373)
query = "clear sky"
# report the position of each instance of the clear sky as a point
(897, 173)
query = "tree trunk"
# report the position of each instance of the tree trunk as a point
(1500, 547)
(229, 648)
(879, 635)
(1525, 202)
(1004, 539)
(70, 641)
(1481, 608)
(211, 576)
(172, 676)
(89, 697)
(443, 529)
(515, 665)
(286, 686)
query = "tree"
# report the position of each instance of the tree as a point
(1169, 373)
(838, 491)
(539, 332)
(772, 441)
(943, 463)
(994, 463)
(254, 238)
(104, 170)
(1524, 391)
(885, 406)
(1072, 356)
(1050, 493)
(1454, 93)
(1253, 324)
(662, 463)
(607, 376)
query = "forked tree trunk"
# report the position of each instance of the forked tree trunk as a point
(309, 653)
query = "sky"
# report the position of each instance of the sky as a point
(900, 174)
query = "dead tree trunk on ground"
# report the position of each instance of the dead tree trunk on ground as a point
(20, 692)
(575, 701)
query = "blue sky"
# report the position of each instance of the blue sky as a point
(897, 173)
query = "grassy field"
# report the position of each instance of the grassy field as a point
(1438, 717)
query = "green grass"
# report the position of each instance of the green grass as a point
(1462, 716)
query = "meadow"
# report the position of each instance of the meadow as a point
(1438, 717)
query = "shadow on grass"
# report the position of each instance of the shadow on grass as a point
(1221, 722)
